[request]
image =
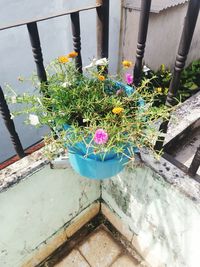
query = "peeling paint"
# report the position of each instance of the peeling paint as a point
(162, 216)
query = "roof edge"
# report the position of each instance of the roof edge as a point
(129, 4)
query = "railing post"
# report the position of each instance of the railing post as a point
(37, 51)
(75, 22)
(102, 28)
(195, 163)
(5, 112)
(184, 46)
(142, 35)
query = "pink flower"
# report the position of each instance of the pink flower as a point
(129, 78)
(100, 137)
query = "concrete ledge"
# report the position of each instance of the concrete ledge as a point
(22, 169)
(173, 175)
(186, 113)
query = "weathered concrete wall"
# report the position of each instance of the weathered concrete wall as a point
(164, 220)
(164, 33)
(32, 211)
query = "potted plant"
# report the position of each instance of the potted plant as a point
(102, 120)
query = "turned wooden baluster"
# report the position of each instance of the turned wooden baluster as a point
(142, 35)
(37, 53)
(184, 46)
(5, 112)
(75, 22)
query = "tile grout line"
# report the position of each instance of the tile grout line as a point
(84, 257)
(116, 258)
(110, 230)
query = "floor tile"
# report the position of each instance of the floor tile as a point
(116, 222)
(100, 249)
(74, 259)
(125, 261)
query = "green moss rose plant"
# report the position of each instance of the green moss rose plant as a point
(105, 112)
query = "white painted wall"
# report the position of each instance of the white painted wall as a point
(33, 211)
(56, 39)
(163, 37)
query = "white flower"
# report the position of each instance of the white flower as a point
(102, 62)
(65, 84)
(95, 62)
(33, 119)
(146, 69)
(86, 120)
(92, 64)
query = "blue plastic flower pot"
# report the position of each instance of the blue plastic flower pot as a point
(99, 166)
(97, 169)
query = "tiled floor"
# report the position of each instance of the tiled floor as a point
(100, 249)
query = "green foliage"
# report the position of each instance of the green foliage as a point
(190, 79)
(86, 103)
(189, 83)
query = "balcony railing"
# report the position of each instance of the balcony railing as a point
(102, 14)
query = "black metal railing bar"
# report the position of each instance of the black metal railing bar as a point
(76, 32)
(5, 113)
(183, 50)
(102, 9)
(142, 36)
(37, 51)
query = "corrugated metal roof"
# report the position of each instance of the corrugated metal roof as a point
(156, 5)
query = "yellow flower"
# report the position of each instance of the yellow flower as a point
(63, 59)
(72, 54)
(101, 78)
(127, 64)
(117, 110)
(158, 90)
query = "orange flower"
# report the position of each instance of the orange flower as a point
(63, 59)
(117, 110)
(72, 54)
(127, 64)
(101, 78)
